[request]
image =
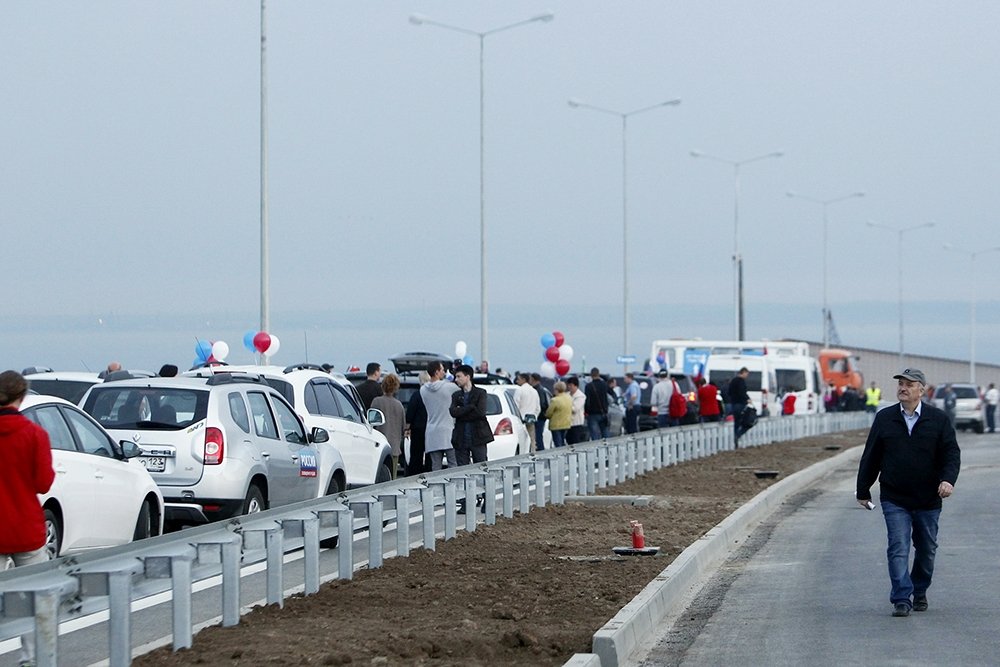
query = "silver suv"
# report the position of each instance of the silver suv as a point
(330, 402)
(216, 447)
(970, 408)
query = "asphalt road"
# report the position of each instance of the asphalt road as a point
(811, 586)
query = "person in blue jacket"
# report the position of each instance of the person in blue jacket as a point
(912, 451)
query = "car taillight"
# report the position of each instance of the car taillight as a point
(214, 446)
(653, 410)
(504, 427)
(692, 397)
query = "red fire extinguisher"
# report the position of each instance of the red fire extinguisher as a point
(638, 537)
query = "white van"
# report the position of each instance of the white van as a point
(799, 375)
(762, 383)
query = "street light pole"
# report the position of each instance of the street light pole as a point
(418, 20)
(624, 115)
(972, 254)
(899, 270)
(265, 265)
(825, 203)
(739, 328)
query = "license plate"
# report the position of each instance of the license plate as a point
(153, 463)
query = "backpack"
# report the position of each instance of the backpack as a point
(678, 405)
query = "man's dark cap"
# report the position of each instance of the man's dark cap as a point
(911, 374)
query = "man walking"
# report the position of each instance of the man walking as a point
(436, 395)
(631, 396)
(740, 399)
(526, 399)
(912, 451)
(370, 388)
(596, 405)
(992, 398)
(544, 396)
(660, 398)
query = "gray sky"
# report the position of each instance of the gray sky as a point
(130, 178)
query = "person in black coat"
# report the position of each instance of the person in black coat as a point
(416, 427)
(912, 451)
(472, 430)
(739, 399)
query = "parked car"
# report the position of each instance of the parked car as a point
(970, 408)
(330, 402)
(100, 496)
(69, 385)
(217, 447)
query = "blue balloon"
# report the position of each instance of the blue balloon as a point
(203, 350)
(248, 340)
(548, 340)
(467, 359)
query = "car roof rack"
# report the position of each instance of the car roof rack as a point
(234, 378)
(127, 375)
(31, 370)
(304, 366)
(208, 364)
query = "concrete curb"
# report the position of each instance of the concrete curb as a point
(633, 624)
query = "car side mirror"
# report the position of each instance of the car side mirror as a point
(319, 435)
(130, 450)
(375, 417)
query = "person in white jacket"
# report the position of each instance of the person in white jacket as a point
(436, 395)
(526, 399)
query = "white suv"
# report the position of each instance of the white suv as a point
(970, 408)
(330, 401)
(217, 448)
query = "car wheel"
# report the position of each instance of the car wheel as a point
(978, 427)
(384, 474)
(254, 501)
(144, 525)
(53, 534)
(334, 487)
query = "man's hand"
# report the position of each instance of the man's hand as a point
(864, 503)
(945, 489)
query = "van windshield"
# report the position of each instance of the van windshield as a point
(720, 377)
(790, 379)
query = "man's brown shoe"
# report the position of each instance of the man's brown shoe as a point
(920, 603)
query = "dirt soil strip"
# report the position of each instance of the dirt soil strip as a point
(531, 590)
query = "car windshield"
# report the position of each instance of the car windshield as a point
(154, 408)
(71, 390)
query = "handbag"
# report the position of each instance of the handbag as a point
(749, 417)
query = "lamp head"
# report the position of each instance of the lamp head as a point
(545, 18)
(573, 102)
(417, 19)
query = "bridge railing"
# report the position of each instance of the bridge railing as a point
(40, 597)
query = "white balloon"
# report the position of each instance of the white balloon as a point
(272, 349)
(460, 349)
(220, 350)
(565, 352)
(548, 369)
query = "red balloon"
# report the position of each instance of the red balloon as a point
(552, 354)
(560, 339)
(562, 367)
(262, 341)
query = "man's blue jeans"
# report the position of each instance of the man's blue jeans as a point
(597, 425)
(902, 526)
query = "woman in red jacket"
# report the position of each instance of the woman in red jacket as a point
(25, 471)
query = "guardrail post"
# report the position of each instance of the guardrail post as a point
(556, 488)
(342, 517)
(41, 603)
(273, 543)
(227, 552)
(468, 486)
(508, 489)
(308, 529)
(372, 508)
(115, 581)
(450, 509)
(589, 470)
(490, 492)
(177, 568)
(572, 470)
(538, 466)
(623, 460)
(400, 502)
(427, 516)
(524, 487)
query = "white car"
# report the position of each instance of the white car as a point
(71, 385)
(330, 401)
(100, 497)
(510, 435)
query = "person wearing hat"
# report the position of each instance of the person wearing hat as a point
(911, 449)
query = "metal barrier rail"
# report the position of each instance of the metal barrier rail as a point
(40, 597)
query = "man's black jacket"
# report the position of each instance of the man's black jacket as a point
(909, 466)
(474, 413)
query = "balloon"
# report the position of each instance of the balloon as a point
(220, 350)
(248, 340)
(548, 340)
(566, 353)
(273, 346)
(202, 350)
(460, 349)
(562, 367)
(552, 354)
(548, 369)
(560, 339)
(261, 341)
(467, 359)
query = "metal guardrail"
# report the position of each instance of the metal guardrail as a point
(40, 597)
